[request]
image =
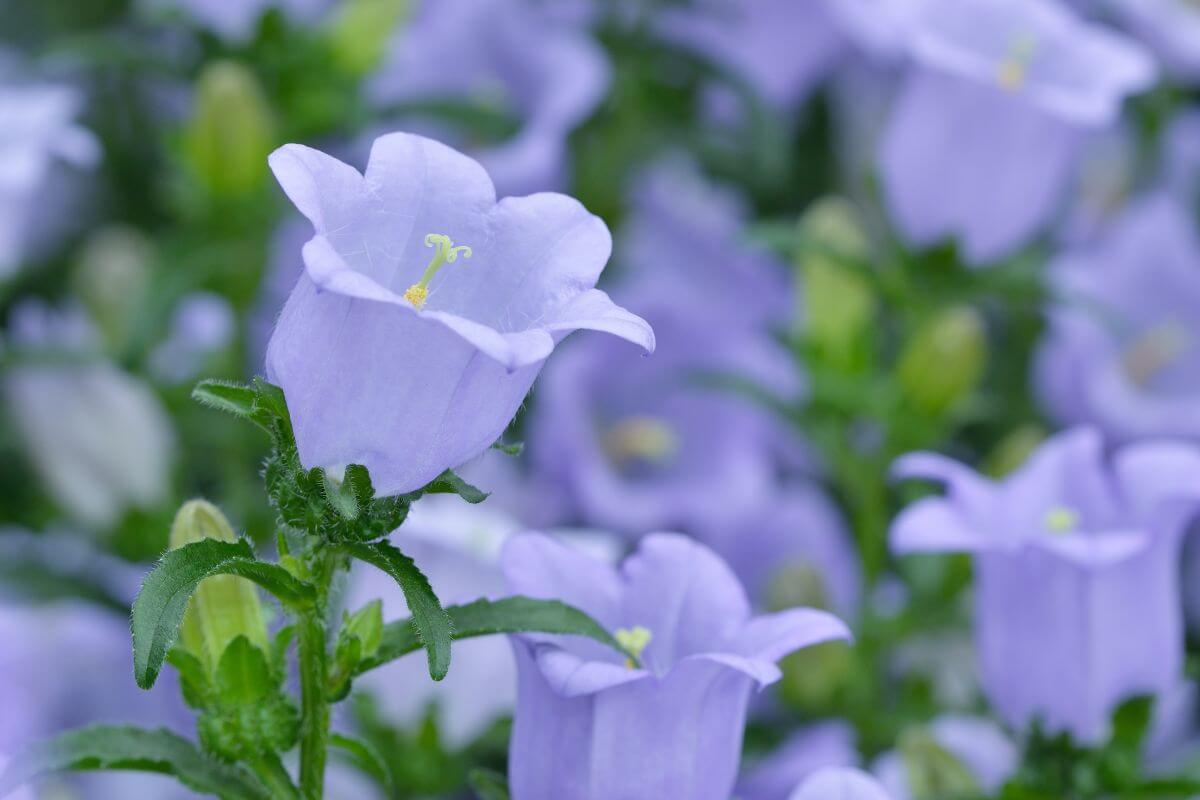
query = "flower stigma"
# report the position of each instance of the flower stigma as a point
(445, 252)
(633, 641)
(1014, 69)
(1062, 519)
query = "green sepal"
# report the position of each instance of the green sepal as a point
(120, 747)
(510, 448)
(450, 483)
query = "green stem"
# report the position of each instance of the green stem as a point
(275, 778)
(314, 677)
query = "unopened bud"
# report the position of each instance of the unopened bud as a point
(223, 607)
(944, 361)
(837, 299)
(1013, 450)
(230, 134)
(110, 277)
(360, 33)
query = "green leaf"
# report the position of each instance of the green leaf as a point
(487, 617)
(193, 680)
(244, 676)
(488, 784)
(449, 483)
(364, 757)
(430, 623)
(510, 449)
(232, 398)
(160, 605)
(124, 747)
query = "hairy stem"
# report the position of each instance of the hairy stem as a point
(314, 701)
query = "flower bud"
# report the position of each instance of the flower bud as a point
(943, 362)
(1013, 450)
(837, 301)
(110, 277)
(932, 770)
(360, 33)
(231, 132)
(223, 607)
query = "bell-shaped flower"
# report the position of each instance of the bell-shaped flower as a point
(98, 438)
(527, 80)
(1077, 603)
(426, 308)
(841, 783)
(1122, 351)
(1171, 28)
(666, 720)
(804, 753)
(985, 134)
(39, 136)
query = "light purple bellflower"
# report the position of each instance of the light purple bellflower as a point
(592, 725)
(1076, 559)
(802, 754)
(841, 783)
(393, 355)
(985, 134)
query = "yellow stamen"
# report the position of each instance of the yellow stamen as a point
(633, 641)
(1062, 519)
(641, 437)
(445, 253)
(1014, 69)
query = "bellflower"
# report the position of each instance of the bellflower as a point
(393, 355)
(1170, 27)
(590, 725)
(1181, 157)
(38, 135)
(99, 439)
(1122, 351)
(201, 326)
(828, 744)
(978, 744)
(1076, 556)
(510, 60)
(841, 783)
(986, 131)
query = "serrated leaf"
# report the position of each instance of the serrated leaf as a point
(488, 617)
(124, 747)
(160, 605)
(244, 676)
(430, 622)
(365, 758)
(232, 398)
(488, 784)
(450, 483)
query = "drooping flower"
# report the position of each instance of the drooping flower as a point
(99, 439)
(985, 134)
(804, 753)
(669, 724)
(842, 783)
(1076, 557)
(1170, 27)
(39, 135)
(532, 79)
(393, 356)
(1122, 351)
(977, 745)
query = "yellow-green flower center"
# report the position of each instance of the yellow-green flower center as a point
(445, 252)
(1014, 69)
(633, 641)
(640, 438)
(1061, 519)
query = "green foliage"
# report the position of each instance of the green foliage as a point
(488, 617)
(365, 758)
(159, 609)
(104, 747)
(430, 623)
(489, 785)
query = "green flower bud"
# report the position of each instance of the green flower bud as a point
(811, 676)
(360, 33)
(231, 133)
(110, 277)
(366, 625)
(838, 302)
(933, 772)
(944, 361)
(223, 607)
(1013, 450)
